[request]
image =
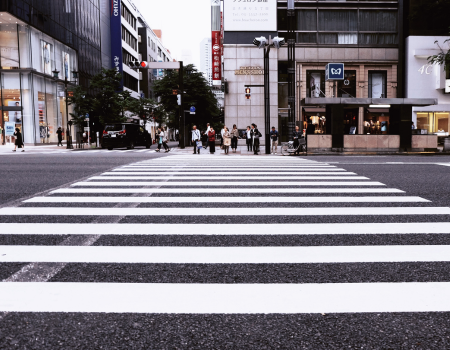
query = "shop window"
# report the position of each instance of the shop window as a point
(376, 122)
(377, 84)
(9, 58)
(351, 121)
(347, 87)
(316, 121)
(434, 123)
(315, 83)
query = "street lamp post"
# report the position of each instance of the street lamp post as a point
(66, 83)
(263, 43)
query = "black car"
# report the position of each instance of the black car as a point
(125, 135)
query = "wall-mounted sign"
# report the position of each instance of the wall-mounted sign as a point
(216, 58)
(116, 37)
(447, 86)
(250, 16)
(249, 71)
(10, 128)
(334, 71)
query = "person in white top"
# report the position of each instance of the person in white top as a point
(163, 135)
(208, 127)
(195, 138)
(249, 139)
(221, 134)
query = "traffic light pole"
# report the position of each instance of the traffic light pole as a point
(267, 99)
(291, 67)
(181, 126)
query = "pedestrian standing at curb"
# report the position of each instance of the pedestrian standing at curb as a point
(19, 140)
(226, 140)
(59, 132)
(221, 134)
(255, 138)
(204, 139)
(208, 127)
(212, 140)
(195, 139)
(248, 135)
(159, 140)
(234, 138)
(163, 135)
(274, 138)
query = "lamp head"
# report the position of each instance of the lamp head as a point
(260, 42)
(277, 42)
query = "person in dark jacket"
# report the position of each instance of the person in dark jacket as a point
(297, 135)
(212, 140)
(255, 138)
(19, 140)
(248, 137)
(59, 132)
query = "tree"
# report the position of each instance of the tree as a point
(82, 105)
(108, 104)
(142, 108)
(198, 94)
(442, 58)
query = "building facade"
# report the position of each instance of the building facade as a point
(206, 60)
(36, 39)
(365, 36)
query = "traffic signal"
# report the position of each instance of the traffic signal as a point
(248, 94)
(138, 64)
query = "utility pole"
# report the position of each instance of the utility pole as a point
(181, 119)
(267, 97)
(291, 65)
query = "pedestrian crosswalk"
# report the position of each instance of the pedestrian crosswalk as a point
(214, 214)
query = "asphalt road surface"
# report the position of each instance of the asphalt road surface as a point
(140, 250)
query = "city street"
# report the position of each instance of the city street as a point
(143, 250)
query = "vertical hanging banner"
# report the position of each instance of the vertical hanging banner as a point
(216, 58)
(116, 38)
(216, 43)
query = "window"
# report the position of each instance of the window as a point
(434, 122)
(127, 57)
(347, 87)
(130, 82)
(315, 83)
(376, 121)
(129, 38)
(126, 14)
(377, 84)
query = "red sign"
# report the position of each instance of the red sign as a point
(216, 58)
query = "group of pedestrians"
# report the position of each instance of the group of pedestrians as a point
(162, 137)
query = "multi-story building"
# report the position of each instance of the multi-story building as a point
(422, 30)
(38, 38)
(206, 60)
(364, 36)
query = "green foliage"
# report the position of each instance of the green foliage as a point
(442, 58)
(144, 108)
(108, 104)
(198, 94)
(81, 105)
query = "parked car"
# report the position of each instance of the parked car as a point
(125, 135)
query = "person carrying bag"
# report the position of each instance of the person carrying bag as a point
(196, 140)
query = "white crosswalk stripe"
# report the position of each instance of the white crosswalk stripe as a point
(190, 200)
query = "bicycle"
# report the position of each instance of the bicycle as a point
(289, 149)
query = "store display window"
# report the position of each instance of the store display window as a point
(315, 122)
(351, 121)
(434, 122)
(376, 122)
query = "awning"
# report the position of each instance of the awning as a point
(415, 102)
(314, 110)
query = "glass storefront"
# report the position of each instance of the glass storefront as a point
(434, 122)
(376, 121)
(30, 96)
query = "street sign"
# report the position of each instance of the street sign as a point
(192, 109)
(87, 119)
(87, 115)
(334, 71)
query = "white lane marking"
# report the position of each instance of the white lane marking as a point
(240, 167)
(371, 199)
(182, 173)
(198, 177)
(323, 211)
(224, 255)
(226, 229)
(444, 164)
(220, 190)
(224, 183)
(142, 150)
(186, 298)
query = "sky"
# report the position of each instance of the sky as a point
(184, 24)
